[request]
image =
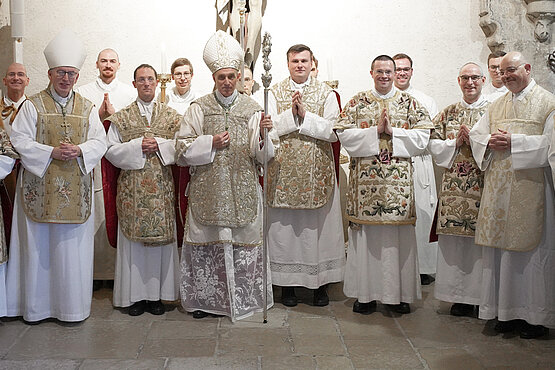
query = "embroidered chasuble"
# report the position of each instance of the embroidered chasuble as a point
(63, 194)
(6, 149)
(513, 202)
(381, 186)
(224, 192)
(302, 174)
(462, 183)
(146, 197)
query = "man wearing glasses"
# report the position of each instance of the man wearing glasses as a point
(496, 89)
(60, 139)
(109, 95)
(181, 96)
(459, 261)
(515, 222)
(382, 129)
(141, 143)
(424, 179)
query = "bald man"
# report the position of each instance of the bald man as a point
(515, 222)
(16, 81)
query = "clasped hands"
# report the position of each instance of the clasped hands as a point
(66, 152)
(500, 140)
(298, 107)
(384, 124)
(150, 145)
(463, 136)
(221, 140)
(106, 109)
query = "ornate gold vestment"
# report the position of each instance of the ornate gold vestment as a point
(6, 149)
(513, 202)
(302, 174)
(224, 192)
(462, 183)
(63, 194)
(146, 197)
(381, 187)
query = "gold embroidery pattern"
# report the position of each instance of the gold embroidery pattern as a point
(223, 193)
(145, 197)
(64, 194)
(380, 187)
(302, 174)
(512, 208)
(462, 184)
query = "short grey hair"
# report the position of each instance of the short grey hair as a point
(473, 63)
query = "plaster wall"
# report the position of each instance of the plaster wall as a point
(439, 35)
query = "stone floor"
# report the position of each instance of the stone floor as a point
(303, 337)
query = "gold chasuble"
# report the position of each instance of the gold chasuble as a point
(513, 202)
(462, 183)
(381, 186)
(6, 149)
(224, 192)
(63, 195)
(146, 197)
(302, 174)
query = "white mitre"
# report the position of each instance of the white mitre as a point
(222, 51)
(65, 50)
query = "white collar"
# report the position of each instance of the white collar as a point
(58, 98)
(386, 96)
(522, 93)
(181, 98)
(296, 86)
(226, 100)
(8, 101)
(107, 87)
(477, 104)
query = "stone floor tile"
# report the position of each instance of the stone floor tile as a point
(10, 331)
(304, 310)
(509, 352)
(182, 329)
(187, 347)
(327, 345)
(387, 353)
(333, 362)
(254, 341)
(291, 362)
(89, 339)
(276, 318)
(449, 358)
(213, 363)
(374, 325)
(118, 364)
(312, 326)
(39, 364)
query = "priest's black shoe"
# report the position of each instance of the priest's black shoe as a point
(137, 308)
(402, 307)
(528, 331)
(321, 296)
(426, 279)
(198, 314)
(506, 326)
(156, 307)
(462, 309)
(288, 297)
(364, 308)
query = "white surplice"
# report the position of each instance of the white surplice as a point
(142, 272)
(180, 102)
(120, 95)
(6, 166)
(382, 260)
(49, 273)
(307, 247)
(492, 93)
(425, 194)
(222, 278)
(459, 259)
(520, 285)
(16, 104)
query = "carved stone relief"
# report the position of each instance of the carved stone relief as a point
(525, 26)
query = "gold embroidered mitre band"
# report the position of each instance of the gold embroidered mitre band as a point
(462, 183)
(63, 194)
(381, 186)
(302, 174)
(146, 197)
(224, 192)
(512, 210)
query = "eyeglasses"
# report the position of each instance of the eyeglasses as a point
(184, 74)
(143, 80)
(382, 72)
(510, 70)
(70, 74)
(18, 74)
(406, 69)
(473, 78)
